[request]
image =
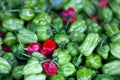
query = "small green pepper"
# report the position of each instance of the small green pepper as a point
(114, 49)
(67, 70)
(111, 29)
(11, 59)
(112, 68)
(89, 44)
(103, 51)
(43, 19)
(73, 48)
(17, 72)
(30, 3)
(103, 77)
(36, 77)
(56, 77)
(13, 24)
(10, 39)
(78, 25)
(61, 38)
(26, 14)
(84, 74)
(32, 67)
(115, 38)
(63, 56)
(43, 32)
(94, 61)
(24, 36)
(5, 67)
(76, 36)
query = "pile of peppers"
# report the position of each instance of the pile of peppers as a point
(59, 39)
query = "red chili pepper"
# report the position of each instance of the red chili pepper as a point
(48, 47)
(6, 48)
(33, 47)
(102, 3)
(68, 14)
(49, 68)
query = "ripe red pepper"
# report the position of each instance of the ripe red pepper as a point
(33, 47)
(48, 47)
(49, 68)
(102, 3)
(6, 48)
(69, 13)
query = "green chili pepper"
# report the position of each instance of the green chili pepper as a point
(31, 26)
(73, 48)
(114, 49)
(30, 3)
(84, 74)
(5, 67)
(10, 39)
(11, 59)
(115, 38)
(17, 72)
(111, 29)
(61, 38)
(103, 51)
(89, 44)
(78, 25)
(36, 77)
(24, 36)
(94, 61)
(76, 36)
(43, 33)
(32, 67)
(115, 8)
(112, 68)
(42, 19)
(103, 77)
(67, 69)
(26, 14)
(56, 77)
(63, 56)
(13, 24)
(92, 27)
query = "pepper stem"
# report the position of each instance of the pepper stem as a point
(68, 22)
(21, 45)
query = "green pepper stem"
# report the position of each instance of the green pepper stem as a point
(26, 55)
(21, 45)
(3, 6)
(68, 22)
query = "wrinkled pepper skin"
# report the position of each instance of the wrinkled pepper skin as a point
(32, 67)
(36, 77)
(94, 61)
(111, 29)
(61, 38)
(8, 24)
(56, 77)
(76, 36)
(112, 68)
(88, 45)
(84, 74)
(26, 14)
(115, 38)
(17, 72)
(24, 36)
(103, 77)
(67, 69)
(115, 7)
(62, 56)
(43, 32)
(103, 51)
(10, 39)
(5, 67)
(114, 49)
(11, 59)
(78, 25)
(73, 48)
(43, 19)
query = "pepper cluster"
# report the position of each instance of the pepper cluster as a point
(59, 39)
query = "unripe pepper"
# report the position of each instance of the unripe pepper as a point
(56, 77)
(89, 44)
(36, 77)
(103, 77)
